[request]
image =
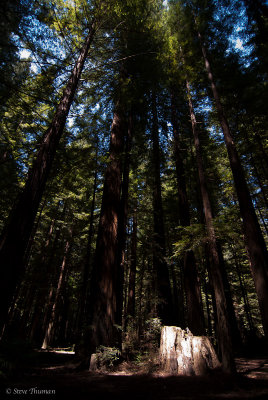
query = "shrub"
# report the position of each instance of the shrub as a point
(107, 357)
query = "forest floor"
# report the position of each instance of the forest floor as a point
(54, 375)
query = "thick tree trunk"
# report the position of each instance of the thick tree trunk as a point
(253, 236)
(224, 329)
(15, 238)
(181, 353)
(102, 313)
(165, 305)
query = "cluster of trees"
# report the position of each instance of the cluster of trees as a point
(133, 170)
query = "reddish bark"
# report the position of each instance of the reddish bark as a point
(103, 298)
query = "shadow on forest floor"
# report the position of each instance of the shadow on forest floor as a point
(55, 375)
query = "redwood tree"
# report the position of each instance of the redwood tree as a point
(101, 329)
(254, 240)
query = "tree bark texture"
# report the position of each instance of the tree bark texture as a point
(15, 237)
(103, 297)
(253, 236)
(181, 353)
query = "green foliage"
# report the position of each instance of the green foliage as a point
(152, 331)
(107, 357)
(192, 238)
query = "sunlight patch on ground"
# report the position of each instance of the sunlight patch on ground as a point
(60, 350)
(63, 352)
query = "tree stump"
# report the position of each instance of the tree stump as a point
(93, 366)
(181, 353)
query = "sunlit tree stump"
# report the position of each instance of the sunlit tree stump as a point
(181, 353)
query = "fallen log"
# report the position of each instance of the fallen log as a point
(181, 353)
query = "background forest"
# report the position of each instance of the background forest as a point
(133, 177)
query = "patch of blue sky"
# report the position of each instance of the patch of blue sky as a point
(43, 36)
(40, 43)
(240, 37)
(203, 105)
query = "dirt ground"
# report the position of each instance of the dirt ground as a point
(56, 377)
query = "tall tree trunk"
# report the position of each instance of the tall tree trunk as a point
(165, 305)
(195, 316)
(224, 330)
(20, 288)
(33, 232)
(102, 313)
(253, 236)
(15, 237)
